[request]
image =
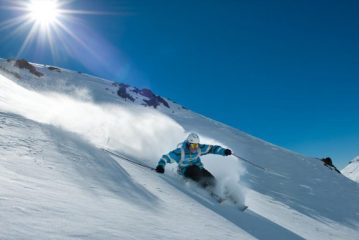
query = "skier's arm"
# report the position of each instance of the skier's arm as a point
(173, 156)
(214, 149)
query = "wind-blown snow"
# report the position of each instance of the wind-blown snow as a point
(137, 131)
(58, 184)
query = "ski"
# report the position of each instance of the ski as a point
(243, 208)
(215, 196)
(222, 200)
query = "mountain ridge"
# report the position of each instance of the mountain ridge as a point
(80, 116)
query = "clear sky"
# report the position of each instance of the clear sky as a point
(284, 71)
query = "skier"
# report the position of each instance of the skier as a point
(189, 163)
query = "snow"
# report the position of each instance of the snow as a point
(57, 183)
(54, 186)
(352, 170)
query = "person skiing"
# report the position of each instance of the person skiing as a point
(189, 162)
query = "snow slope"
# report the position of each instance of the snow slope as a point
(352, 170)
(57, 183)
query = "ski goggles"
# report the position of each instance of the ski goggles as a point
(194, 145)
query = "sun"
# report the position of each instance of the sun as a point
(43, 12)
(51, 27)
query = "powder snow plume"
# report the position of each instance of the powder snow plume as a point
(135, 131)
(138, 131)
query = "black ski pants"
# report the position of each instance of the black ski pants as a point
(200, 175)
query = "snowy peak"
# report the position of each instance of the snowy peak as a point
(36, 75)
(352, 170)
(355, 160)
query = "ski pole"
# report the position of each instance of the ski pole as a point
(122, 156)
(254, 164)
(267, 170)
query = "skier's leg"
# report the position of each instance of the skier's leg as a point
(207, 180)
(194, 173)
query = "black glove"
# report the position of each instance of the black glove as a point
(227, 152)
(160, 169)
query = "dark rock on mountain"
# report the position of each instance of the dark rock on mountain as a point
(122, 92)
(54, 69)
(329, 163)
(153, 100)
(23, 64)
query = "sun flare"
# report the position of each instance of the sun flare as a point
(49, 27)
(44, 12)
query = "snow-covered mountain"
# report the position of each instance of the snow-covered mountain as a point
(57, 183)
(352, 169)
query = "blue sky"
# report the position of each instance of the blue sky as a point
(284, 71)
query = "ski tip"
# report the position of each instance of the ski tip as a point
(243, 208)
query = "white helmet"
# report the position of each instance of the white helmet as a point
(193, 138)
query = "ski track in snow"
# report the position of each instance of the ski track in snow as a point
(57, 183)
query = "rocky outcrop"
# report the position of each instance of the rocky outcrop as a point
(122, 92)
(23, 64)
(153, 100)
(149, 98)
(54, 69)
(329, 163)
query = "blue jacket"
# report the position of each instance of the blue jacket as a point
(185, 158)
